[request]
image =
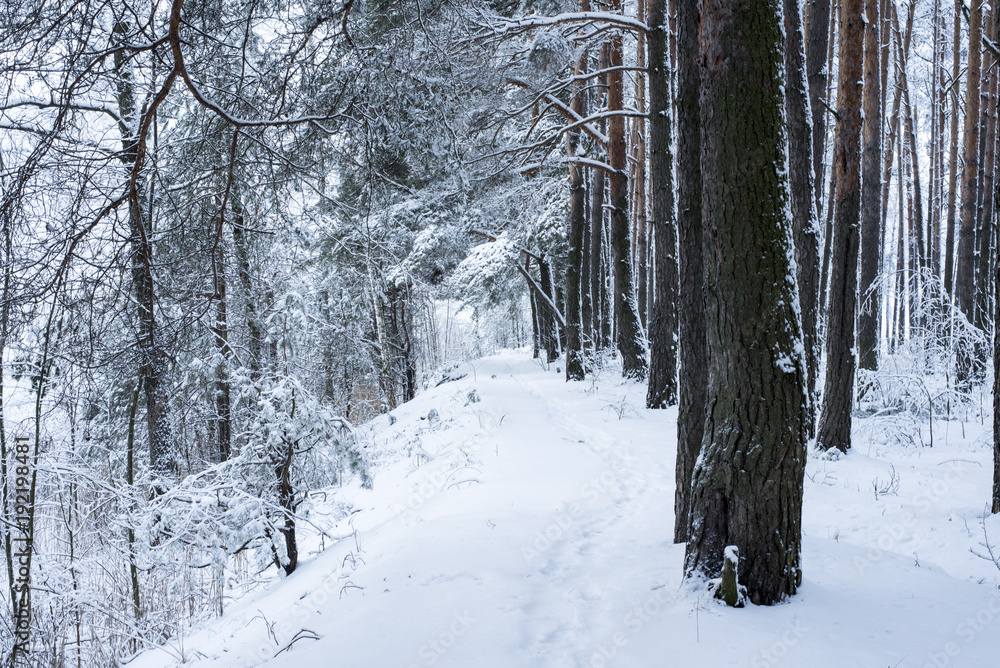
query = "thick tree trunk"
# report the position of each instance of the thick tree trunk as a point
(805, 221)
(662, 390)
(693, 372)
(747, 488)
(966, 269)
(628, 332)
(835, 417)
(871, 213)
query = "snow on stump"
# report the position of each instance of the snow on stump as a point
(729, 589)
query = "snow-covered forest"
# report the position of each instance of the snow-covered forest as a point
(496, 333)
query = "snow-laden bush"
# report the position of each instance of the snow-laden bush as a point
(293, 443)
(915, 382)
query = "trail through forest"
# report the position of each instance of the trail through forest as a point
(519, 520)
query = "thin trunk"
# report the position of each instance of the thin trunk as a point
(5, 508)
(133, 569)
(628, 331)
(966, 269)
(805, 224)
(641, 232)
(536, 324)
(817, 44)
(662, 390)
(835, 418)
(900, 328)
(988, 132)
(575, 236)
(154, 362)
(871, 214)
(954, 85)
(220, 331)
(550, 329)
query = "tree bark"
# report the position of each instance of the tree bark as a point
(949, 240)
(747, 488)
(154, 363)
(835, 417)
(662, 390)
(818, 32)
(805, 221)
(637, 182)
(966, 269)
(985, 226)
(628, 331)
(575, 236)
(871, 195)
(693, 373)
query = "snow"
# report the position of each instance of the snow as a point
(534, 528)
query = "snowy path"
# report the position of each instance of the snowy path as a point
(533, 528)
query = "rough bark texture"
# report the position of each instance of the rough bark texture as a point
(598, 246)
(816, 72)
(637, 182)
(800, 175)
(628, 332)
(598, 284)
(835, 417)
(966, 269)
(662, 390)
(154, 362)
(871, 195)
(996, 397)
(693, 372)
(747, 488)
(575, 237)
(950, 220)
(988, 136)
(547, 325)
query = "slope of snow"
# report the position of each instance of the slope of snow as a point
(527, 521)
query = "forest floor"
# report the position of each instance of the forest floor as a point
(519, 520)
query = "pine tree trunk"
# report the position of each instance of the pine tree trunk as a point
(996, 397)
(804, 215)
(950, 222)
(835, 417)
(818, 17)
(575, 237)
(985, 226)
(693, 345)
(747, 488)
(637, 164)
(662, 390)
(966, 269)
(871, 213)
(628, 332)
(547, 321)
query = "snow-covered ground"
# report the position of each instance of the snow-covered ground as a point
(519, 520)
